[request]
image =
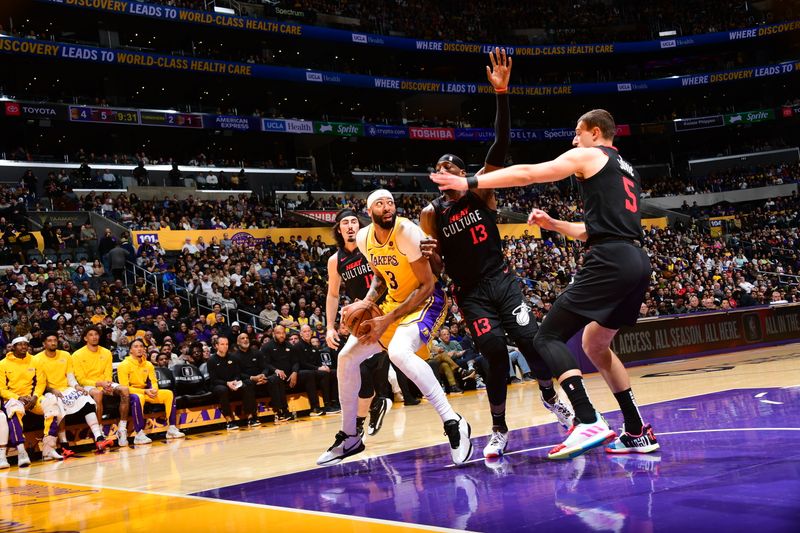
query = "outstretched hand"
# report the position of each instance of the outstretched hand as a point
(500, 71)
(541, 219)
(428, 247)
(449, 182)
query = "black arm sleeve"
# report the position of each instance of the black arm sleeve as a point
(502, 132)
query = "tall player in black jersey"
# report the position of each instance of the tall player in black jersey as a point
(465, 227)
(348, 266)
(608, 291)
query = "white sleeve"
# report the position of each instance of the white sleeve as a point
(408, 239)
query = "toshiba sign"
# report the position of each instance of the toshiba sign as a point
(432, 134)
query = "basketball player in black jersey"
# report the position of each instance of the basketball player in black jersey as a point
(348, 266)
(465, 228)
(608, 291)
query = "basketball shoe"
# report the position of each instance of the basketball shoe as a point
(497, 444)
(582, 438)
(122, 437)
(344, 445)
(458, 433)
(141, 438)
(645, 442)
(174, 433)
(377, 414)
(23, 460)
(562, 411)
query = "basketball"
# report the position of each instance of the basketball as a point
(361, 311)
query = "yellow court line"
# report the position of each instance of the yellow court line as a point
(39, 507)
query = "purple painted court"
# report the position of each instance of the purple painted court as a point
(730, 461)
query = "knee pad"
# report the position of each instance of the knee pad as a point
(555, 354)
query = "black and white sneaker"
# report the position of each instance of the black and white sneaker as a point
(377, 414)
(344, 445)
(284, 416)
(231, 426)
(253, 422)
(317, 412)
(458, 433)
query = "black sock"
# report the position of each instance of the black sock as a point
(584, 410)
(548, 393)
(360, 422)
(499, 420)
(627, 403)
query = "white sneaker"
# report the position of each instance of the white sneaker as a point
(22, 459)
(141, 438)
(174, 433)
(458, 433)
(496, 446)
(582, 438)
(3, 461)
(344, 445)
(562, 411)
(122, 437)
(50, 454)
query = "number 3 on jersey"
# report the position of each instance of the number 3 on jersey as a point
(392, 281)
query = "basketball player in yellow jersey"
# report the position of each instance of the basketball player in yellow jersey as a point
(414, 308)
(59, 377)
(94, 370)
(22, 388)
(139, 375)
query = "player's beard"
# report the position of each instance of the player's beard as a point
(385, 225)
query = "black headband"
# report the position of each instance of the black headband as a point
(345, 213)
(457, 161)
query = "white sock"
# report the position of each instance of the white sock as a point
(349, 375)
(123, 424)
(21, 448)
(402, 352)
(91, 421)
(2, 452)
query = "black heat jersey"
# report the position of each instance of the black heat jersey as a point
(355, 272)
(611, 200)
(468, 238)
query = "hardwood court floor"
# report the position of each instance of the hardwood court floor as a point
(109, 492)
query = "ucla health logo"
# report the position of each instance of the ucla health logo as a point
(314, 76)
(359, 38)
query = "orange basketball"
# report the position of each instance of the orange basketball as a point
(361, 311)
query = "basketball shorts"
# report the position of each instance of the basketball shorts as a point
(610, 287)
(428, 318)
(496, 307)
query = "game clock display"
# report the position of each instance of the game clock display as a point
(103, 114)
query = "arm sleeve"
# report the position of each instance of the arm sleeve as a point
(5, 392)
(41, 382)
(502, 132)
(408, 239)
(108, 369)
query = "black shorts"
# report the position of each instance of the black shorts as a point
(496, 307)
(610, 287)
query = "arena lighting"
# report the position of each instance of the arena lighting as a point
(668, 33)
(225, 10)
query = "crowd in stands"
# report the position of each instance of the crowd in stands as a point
(728, 180)
(577, 21)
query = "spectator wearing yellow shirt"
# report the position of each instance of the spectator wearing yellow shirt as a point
(139, 374)
(22, 387)
(99, 315)
(59, 376)
(93, 370)
(215, 317)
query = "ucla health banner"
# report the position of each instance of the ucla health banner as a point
(92, 54)
(294, 30)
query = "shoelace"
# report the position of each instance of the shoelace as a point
(496, 440)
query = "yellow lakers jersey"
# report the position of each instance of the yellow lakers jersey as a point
(55, 369)
(392, 263)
